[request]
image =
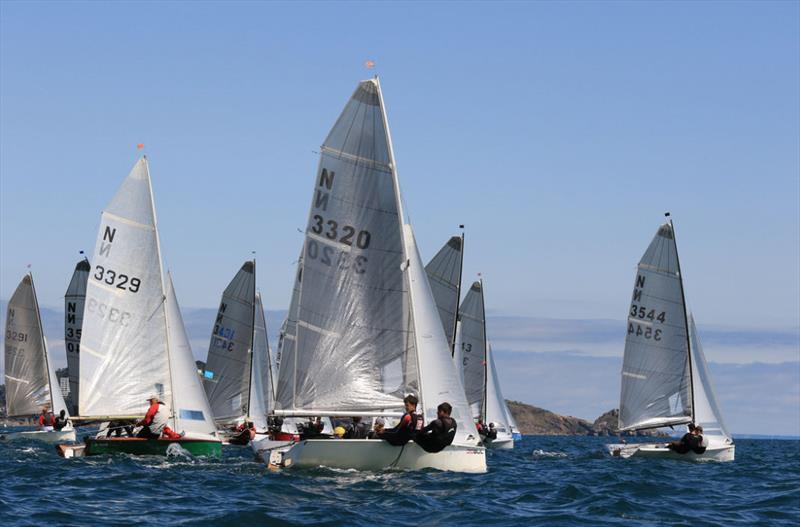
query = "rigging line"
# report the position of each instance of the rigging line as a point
(393, 464)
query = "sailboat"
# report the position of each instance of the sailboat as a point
(665, 379)
(74, 300)
(31, 382)
(367, 330)
(238, 356)
(133, 342)
(480, 374)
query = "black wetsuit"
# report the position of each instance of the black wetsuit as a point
(688, 442)
(60, 423)
(356, 431)
(405, 430)
(437, 435)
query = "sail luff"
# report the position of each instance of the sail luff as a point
(44, 343)
(458, 294)
(74, 302)
(685, 318)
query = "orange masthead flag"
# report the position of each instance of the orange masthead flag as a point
(139, 146)
(369, 64)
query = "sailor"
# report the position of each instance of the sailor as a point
(377, 428)
(46, 420)
(686, 443)
(702, 442)
(440, 432)
(245, 433)
(492, 432)
(61, 420)
(358, 430)
(154, 424)
(410, 423)
(339, 432)
(481, 427)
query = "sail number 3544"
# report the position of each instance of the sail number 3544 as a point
(642, 313)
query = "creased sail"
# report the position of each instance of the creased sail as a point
(288, 334)
(656, 383)
(191, 412)
(495, 410)
(123, 355)
(439, 381)
(26, 370)
(354, 331)
(706, 409)
(473, 348)
(262, 399)
(444, 275)
(227, 373)
(74, 300)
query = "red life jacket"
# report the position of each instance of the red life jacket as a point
(47, 419)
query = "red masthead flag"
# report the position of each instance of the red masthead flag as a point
(369, 64)
(139, 146)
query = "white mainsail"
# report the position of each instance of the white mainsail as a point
(354, 322)
(262, 398)
(30, 379)
(473, 348)
(444, 275)
(74, 300)
(227, 372)
(496, 411)
(706, 409)
(190, 409)
(656, 378)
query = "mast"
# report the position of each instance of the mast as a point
(163, 295)
(485, 355)
(252, 342)
(44, 342)
(458, 294)
(685, 317)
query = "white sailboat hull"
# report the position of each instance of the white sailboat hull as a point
(719, 452)
(374, 454)
(501, 443)
(50, 437)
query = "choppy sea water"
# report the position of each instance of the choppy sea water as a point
(543, 481)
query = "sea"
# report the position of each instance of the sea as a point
(545, 480)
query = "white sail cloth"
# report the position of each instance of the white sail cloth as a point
(656, 388)
(190, 409)
(226, 378)
(123, 357)
(495, 409)
(30, 379)
(439, 381)
(353, 324)
(262, 399)
(473, 348)
(74, 300)
(444, 276)
(706, 409)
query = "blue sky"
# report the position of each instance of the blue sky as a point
(557, 132)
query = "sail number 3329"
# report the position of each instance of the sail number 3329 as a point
(118, 280)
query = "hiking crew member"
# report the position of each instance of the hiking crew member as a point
(410, 423)
(691, 440)
(155, 421)
(440, 432)
(244, 433)
(358, 430)
(61, 421)
(46, 420)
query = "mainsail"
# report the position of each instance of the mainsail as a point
(354, 326)
(227, 373)
(656, 378)
(706, 409)
(30, 379)
(74, 300)
(262, 398)
(444, 275)
(124, 356)
(473, 348)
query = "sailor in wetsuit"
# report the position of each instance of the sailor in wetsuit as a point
(440, 432)
(410, 423)
(61, 421)
(691, 441)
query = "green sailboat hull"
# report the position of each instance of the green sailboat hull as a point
(151, 447)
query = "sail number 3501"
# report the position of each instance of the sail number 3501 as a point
(118, 280)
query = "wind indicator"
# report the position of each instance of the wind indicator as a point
(666, 214)
(140, 146)
(369, 64)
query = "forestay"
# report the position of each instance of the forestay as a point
(655, 371)
(706, 409)
(190, 409)
(123, 355)
(439, 381)
(226, 378)
(354, 348)
(473, 348)
(29, 383)
(74, 300)
(261, 394)
(444, 276)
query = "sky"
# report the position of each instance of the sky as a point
(558, 133)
